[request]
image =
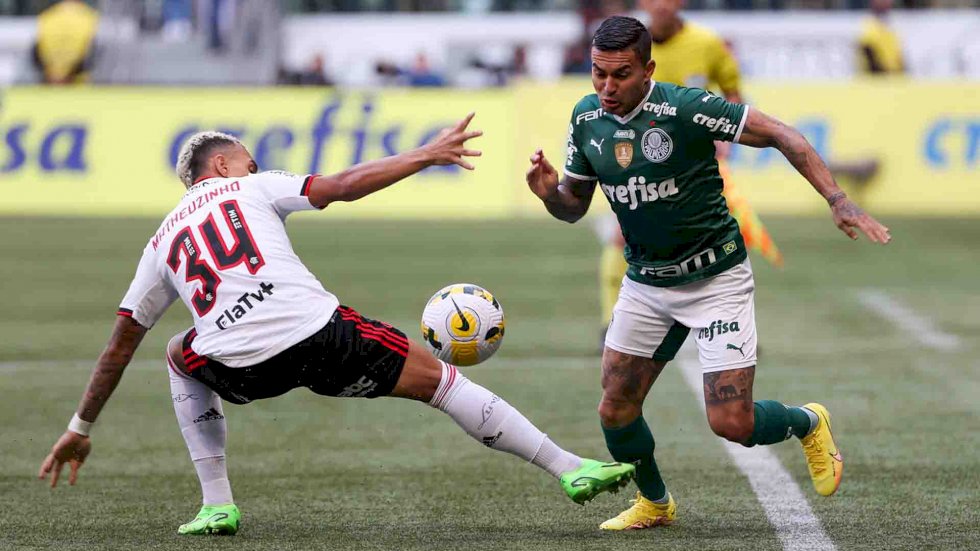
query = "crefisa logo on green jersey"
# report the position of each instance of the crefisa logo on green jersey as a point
(723, 125)
(637, 191)
(718, 328)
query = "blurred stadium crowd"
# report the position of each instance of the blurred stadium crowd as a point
(466, 43)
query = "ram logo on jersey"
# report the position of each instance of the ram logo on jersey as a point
(723, 125)
(697, 262)
(637, 191)
(589, 116)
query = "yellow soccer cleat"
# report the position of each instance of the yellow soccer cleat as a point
(823, 457)
(643, 514)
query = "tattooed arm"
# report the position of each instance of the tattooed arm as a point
(73, 447)
(761, 130)
(568, 199)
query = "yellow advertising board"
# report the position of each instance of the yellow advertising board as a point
(924, 136)
(110, 151)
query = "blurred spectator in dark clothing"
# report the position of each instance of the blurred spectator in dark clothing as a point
(578, 58)
(313, 75)
(178, 18)
(389, 73)
(65, 45)
(422, 75)
(499, 74)
(217, 17)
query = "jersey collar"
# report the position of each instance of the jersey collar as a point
(639, 107)
(200, 182)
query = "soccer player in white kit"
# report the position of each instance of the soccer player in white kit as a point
(263, 324)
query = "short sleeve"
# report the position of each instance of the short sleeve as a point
(287, 192)
(706, 114)
(149, 295)
(576, 164)
(724, 68)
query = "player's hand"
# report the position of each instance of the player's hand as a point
(848, 216)
(449, 145)
(722, 149)
(542, 178)
(71, 448)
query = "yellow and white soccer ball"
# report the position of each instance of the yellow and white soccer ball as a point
(463, 324)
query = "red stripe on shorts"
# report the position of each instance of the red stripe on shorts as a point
(396, 350)
(384, 340)
(390, 335)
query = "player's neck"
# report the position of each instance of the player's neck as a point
(643, 98)
(668, 31)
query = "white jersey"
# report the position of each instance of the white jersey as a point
(224, 251)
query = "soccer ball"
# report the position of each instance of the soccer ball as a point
(463, 324)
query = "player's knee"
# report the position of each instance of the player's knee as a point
(617, 412)
(731, 427)
(420, 377)
(175, 353)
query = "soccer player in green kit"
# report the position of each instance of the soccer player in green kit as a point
(649, 147)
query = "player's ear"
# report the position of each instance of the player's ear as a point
(651, 65)
(220, 164)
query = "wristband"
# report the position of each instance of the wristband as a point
(79, 425)
(835, 198)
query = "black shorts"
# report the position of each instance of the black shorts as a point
(351, 356)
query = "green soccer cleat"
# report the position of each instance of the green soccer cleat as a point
(594, 478)
(220, 520)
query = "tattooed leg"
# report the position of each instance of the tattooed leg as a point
(734, 416)
(626, 379)
(728, 402)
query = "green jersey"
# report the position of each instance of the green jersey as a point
(657, 168)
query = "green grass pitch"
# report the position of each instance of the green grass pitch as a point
(316, 473)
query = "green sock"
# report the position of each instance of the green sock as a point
(634, 444)
(775, 422)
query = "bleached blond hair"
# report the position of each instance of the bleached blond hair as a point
(196, 151)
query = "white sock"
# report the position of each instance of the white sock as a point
(496, 424)
(213, 474)
(202, 422)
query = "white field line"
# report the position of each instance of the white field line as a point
(917, 326)
(797, 528)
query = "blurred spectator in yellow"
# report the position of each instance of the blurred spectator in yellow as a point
(688, 54)
(65, 42)
(879, 48)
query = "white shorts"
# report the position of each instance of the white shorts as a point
(653, 322)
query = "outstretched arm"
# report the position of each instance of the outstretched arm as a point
(73, 447)
(448, 147)
(761, 130)
(567, 200)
